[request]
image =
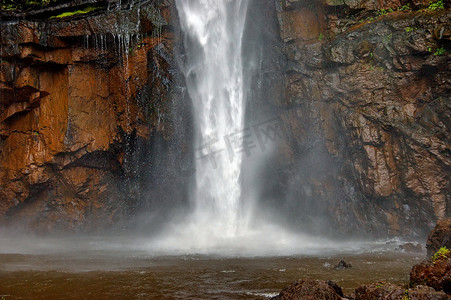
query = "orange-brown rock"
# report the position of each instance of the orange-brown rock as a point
(70, 114)
(435, 273)
(439, 237)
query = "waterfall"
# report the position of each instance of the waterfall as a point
(222, 219)
(213, 71)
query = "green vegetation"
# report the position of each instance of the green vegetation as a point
(73, 13)
(409, 29)
(383, 12)
(436, 5)
(440, 51)
(320, 37)
(404, 7)
(406, 295)
(9, 5)
(441, 254)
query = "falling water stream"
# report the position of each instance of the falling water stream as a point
(256, 259)
(214, 75)
(221, 221)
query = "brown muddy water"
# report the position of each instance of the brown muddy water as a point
(121, 276)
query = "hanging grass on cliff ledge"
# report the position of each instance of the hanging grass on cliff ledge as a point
(10, 5)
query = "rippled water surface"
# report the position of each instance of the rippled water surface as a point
(119, 275)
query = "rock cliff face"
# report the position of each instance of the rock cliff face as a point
(87, 114)
(77, 98)
(367, 104)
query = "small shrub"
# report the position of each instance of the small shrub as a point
(436, 5)
(438, 52)
(404, 7)
(406, 295)
(382, 12)
(441, 254)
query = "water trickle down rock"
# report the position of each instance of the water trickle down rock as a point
(69, 115)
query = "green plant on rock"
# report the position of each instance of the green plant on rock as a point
(409, 29)
(73, 13)
(440, 51)
(406, 295)
(436, 5)
(8, 5)
(320, 37)
(441, 254)
(404, 7)
(382, 12)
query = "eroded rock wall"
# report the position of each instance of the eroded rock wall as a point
(77, 96)
(367, 104)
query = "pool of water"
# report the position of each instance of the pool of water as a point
(125, 275)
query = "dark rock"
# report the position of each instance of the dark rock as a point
(388, 291)
(412, 248)
(421, 292)
(370, 127)
(436, 274)
(336, 287)
(342, 265)
(308, 289)
(439, 237)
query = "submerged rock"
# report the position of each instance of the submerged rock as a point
(439, 237)
(342, 265)
(412, 248)
(309, 289)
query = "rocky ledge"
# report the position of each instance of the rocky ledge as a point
(78, 95)
(367, 104)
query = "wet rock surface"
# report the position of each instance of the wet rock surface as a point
(435, 273)
(342, 265)
(363, 97)
(81, 99)
(411, 247)
(366, 106)
(439, 237)
(388, 291)
(309, 289)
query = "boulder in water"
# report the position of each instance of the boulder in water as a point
(309, 289)
(342, 265)
(411, 248)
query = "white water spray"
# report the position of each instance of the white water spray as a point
(214, 73)
(213, 69)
